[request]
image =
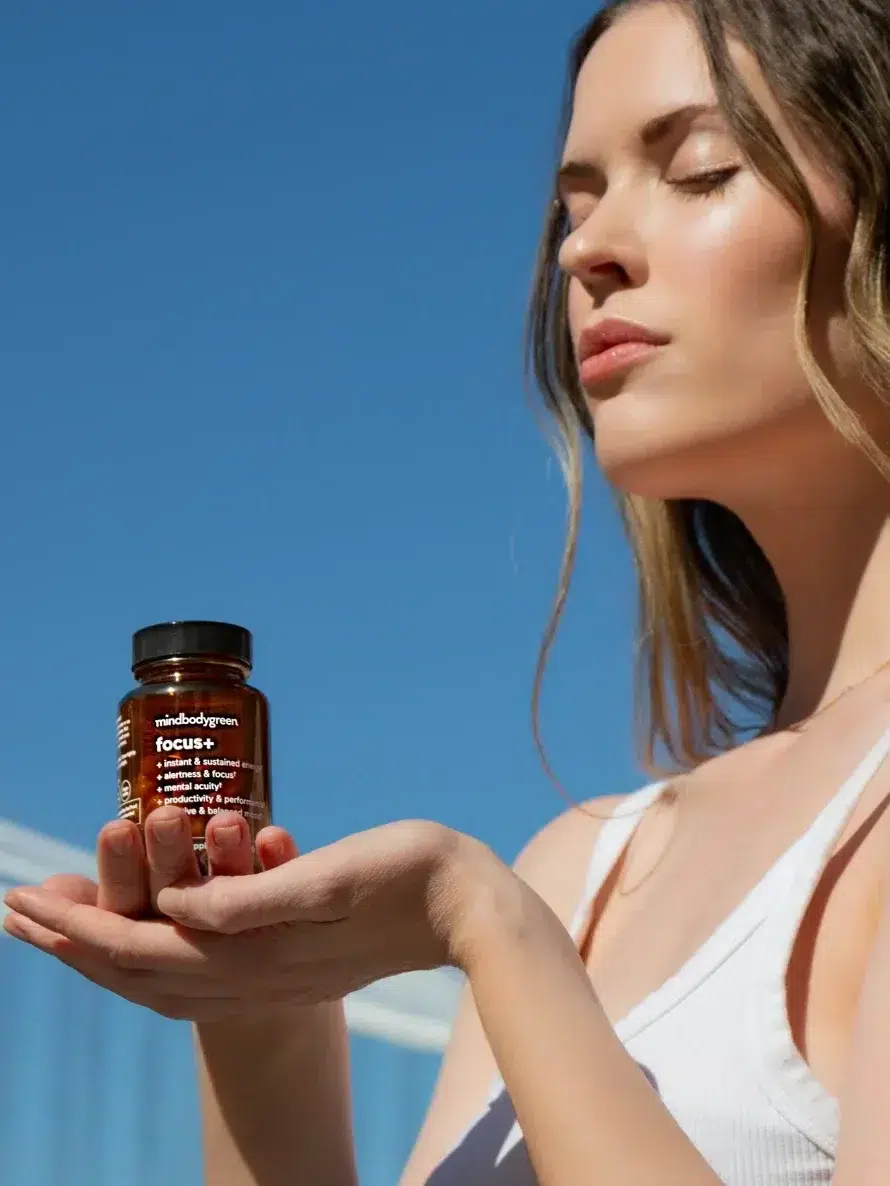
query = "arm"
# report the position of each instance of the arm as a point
(275, 1099)
(274, 1087)
(587, 1112)
(405, 894)
(274, 1082)
(562, 1065)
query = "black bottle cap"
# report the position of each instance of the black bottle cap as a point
(173, 640)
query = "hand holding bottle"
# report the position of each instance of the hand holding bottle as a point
(306, 929)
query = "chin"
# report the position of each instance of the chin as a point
(663, 464)
(661, 447)
(646, 455)
(647, 477)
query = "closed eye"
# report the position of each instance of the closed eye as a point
(706, 184)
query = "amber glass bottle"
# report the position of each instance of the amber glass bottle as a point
(193, 733)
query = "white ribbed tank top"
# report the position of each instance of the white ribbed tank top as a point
(714, 1039)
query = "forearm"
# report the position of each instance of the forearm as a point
(587, 1112)
(275, 1099)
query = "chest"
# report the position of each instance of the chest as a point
(685, 876)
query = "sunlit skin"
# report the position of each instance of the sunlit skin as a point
(676, 230)
(673, 228)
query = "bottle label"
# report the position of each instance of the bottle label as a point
(129, 804)
(180, 750)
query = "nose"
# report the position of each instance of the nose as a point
(606, 250)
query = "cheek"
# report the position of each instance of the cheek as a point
(735, 270)
(730, 387)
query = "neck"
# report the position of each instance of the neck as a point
(832, 561)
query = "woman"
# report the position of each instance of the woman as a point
(711, 307)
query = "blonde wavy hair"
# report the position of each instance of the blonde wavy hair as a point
(713, 633)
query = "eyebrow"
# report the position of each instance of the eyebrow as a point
(653, 131)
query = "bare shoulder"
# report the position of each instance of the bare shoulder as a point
(555, 861)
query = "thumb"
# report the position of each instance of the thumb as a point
(232, 904)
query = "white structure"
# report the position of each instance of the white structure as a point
(414, 1010)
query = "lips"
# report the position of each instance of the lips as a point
(613, 331)
(614, 345)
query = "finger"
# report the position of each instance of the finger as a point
(74, 887)
(18, 926)
(124, 943)
(168, 845)
(21, 927)
(123, 875)
(228, 845)
(171, 994)
(275, 846)
(131, 982)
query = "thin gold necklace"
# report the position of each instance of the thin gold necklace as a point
(831, 703)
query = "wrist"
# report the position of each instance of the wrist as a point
(489, 900)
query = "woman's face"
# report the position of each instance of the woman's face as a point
(674, 231)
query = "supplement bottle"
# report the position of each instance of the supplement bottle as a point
(194, 734)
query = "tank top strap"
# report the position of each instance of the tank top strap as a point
(612, 839)
(813, 850)
(785, 1075)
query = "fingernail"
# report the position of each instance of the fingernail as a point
(227, 836)
(120, 841)
(275, 849)
(12, 899)
(167, 831)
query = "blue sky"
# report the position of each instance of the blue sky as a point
(264, 277)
